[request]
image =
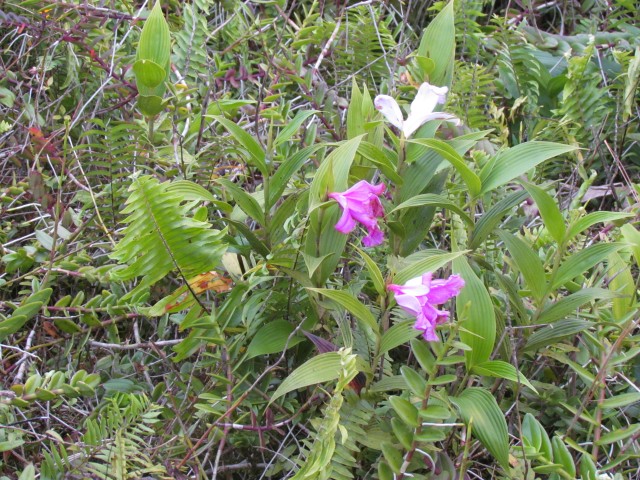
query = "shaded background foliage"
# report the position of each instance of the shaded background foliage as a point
(71, 137)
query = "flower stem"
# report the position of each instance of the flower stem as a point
(431, 375)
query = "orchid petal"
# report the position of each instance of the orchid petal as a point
(443, 290)
(390, 109)
(347, 223)
(427, 98)
(375, 237)
(409, 304)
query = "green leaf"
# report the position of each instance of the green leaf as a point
(291, 165)
(516, 161)
(12, 325)
(392, 456)
(287, 132)
(618, 435)
(551, 334)
(355, 120)
(252, 147)
(192, 191)
(432, 199)
(490, 219)
(29, 473)
(333, 173)
(397, 335)
(549, 211)
(246, 202)
(562, 456)
(475, 309)
(430, 263)
(9, 445)
(405, 410)
(378, 157)
(150, 105)
(621, 400)
(353, 305)
(632, 236)
(535, 436)
(438, 43)
(416, 382)
(431, 435)
(395, 382)
(423, 354)
(319, 369)
(374, 272)
(588, 470)
(528, 262)
(592, 218)
(478, 408)
(435, 412)
(149, 73)
(272, 338)
(583, 260)
(443, 379)
(402, 432)
(621, 281)
(448, 153)
(570, 304)
(384, 470)
(155, 39)
(500, 369)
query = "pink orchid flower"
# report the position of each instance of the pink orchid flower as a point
(361, 204)
(420, 296)
(421, 111)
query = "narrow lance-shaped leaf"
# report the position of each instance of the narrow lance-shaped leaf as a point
(448, 152)
(319, 369)
(374, 272)
(428, 264)
(491, 218)
(549, 211)
(253, 148)
(568, 305)
(481, 413)
(513, 162)
(475, 310)
(528, 263)
(287, 132)
(432, 199)
(438, 43)
(581, 261)
(357, 309)
(272, 338)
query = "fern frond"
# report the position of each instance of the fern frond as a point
(354, 418)
(319, 455)
(161, 238)
(113, 444)
(585, 104)
(190, 57)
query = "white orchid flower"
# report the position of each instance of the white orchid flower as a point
(421, 110)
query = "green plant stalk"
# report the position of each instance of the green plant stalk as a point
(465, 453)
(150, 125)
(425, 401)
(402, 153)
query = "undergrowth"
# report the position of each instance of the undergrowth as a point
(175, 299)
